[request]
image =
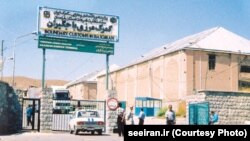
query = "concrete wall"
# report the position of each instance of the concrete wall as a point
(232, 107)
(90, 91)
(10, 110)
(46, 111)
(83, 91)
(76, 91)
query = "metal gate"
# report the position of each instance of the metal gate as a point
(31, 114)
(199, 113)
(62, 111)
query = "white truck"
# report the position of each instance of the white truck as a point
(61, 100)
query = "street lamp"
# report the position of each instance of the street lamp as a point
(14, 58)
(3, 63)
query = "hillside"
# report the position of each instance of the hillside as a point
(25, 82)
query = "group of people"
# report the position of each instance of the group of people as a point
(169, 115)
(121, 118)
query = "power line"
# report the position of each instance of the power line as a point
(79, 66)
(20, 43)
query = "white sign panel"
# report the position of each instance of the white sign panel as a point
(112, 104)
(80, 25)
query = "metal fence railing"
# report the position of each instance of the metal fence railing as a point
(62, 110)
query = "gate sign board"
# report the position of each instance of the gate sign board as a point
(78, 25)
(75, 45)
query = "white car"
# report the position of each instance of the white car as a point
(86, 121)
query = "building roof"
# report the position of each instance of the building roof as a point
(113, 67)
(216, 39)
(91, 77)
(147, 98)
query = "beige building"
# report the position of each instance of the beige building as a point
(215, 59)
(83, 88)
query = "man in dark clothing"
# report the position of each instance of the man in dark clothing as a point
(29, 115)
(120, 119)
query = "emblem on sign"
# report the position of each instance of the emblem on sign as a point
(46, 14)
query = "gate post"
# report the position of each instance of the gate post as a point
(111, 114)
(46, 111)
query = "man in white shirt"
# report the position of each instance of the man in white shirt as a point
(131, 116)
(170, 116)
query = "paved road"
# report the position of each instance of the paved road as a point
(65, 136)
(160, 121)
(35, 136)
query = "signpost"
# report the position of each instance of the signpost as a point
(83, 32)
(77, 31)
(78, 25)
(75, 45)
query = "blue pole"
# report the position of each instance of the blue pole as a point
(43, 73)
(107, 71)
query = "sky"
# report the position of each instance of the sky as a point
(144, 25)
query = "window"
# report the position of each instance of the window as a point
(245, 69)
(244, 85)
(211, 61)
(138, 103)
(157, 104)
(88, 114)
(150, 104)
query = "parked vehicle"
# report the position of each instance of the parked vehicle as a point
(61, 100)
(86, 121)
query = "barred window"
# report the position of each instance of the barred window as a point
(245, 69)
(211, 61)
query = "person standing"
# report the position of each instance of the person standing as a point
(214, 118)
(141, 117)
(131, 116)
(29, 115)
(170, 116)
(120, 119)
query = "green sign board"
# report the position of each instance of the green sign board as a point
(75, 45)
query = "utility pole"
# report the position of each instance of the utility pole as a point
(2, 60)
(43, 73)
(14, 57)
(107, 72)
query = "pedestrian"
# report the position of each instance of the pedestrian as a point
(29, 115)
(170, 116)
(214, 118)
(141, 117)
(131, 116)
(120, 120)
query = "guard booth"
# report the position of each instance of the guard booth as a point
(198, 113)
(123, 104)
(150, 105)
